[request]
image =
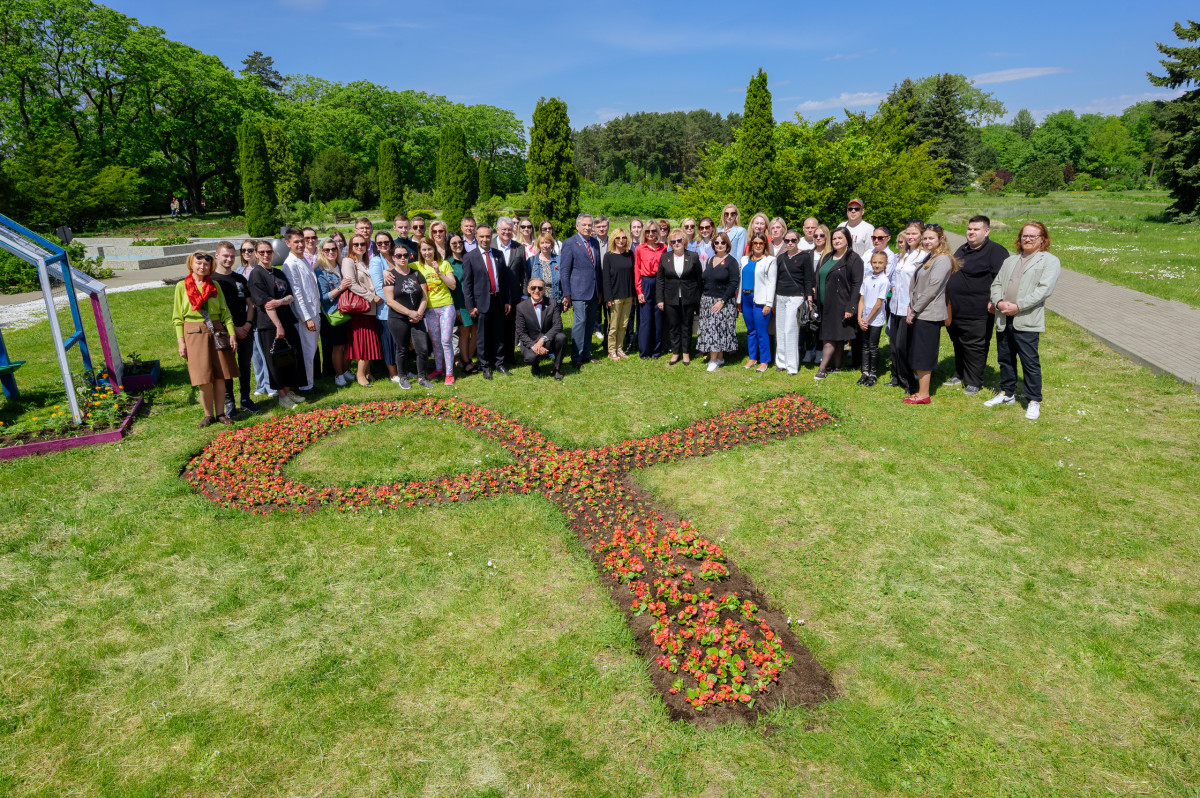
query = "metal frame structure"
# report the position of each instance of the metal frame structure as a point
(32, 248)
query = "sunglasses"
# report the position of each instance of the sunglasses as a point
(526, 227)
(621, 238)
(675, 241)
(247, 251)
(706, 227)
(329, 249)
(310, 238)
(382, 244)
(533, 288)
(853, 208)
(202, 257)
(418, 227)
(358, 244)
(879, 238)
(266, 252)
(818, 235)
(791, 240)
(689, 227)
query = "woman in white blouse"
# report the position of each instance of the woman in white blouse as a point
(910, 259)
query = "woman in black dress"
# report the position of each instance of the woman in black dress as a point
(839, 280)
(718, 308)
(275, 325)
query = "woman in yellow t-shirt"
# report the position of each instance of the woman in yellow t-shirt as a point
(439, 318)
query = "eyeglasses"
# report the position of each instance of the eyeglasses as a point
(879, 238)
(757, 244)
(310, 238)
(533, 288)
(675, 241)
(790, 240)
(1028, 237)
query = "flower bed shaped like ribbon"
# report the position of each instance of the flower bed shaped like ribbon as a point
(712, 646)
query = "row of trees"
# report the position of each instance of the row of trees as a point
(649, 146)
(101, 115)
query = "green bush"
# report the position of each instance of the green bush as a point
(424, 213)
(18, 276)
(341, 206)
(1040, 178)
(333, 175)
(487, 211)
(624, 199)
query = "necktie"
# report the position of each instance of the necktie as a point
(491, 271)
(588, 247)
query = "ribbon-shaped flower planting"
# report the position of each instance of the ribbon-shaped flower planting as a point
(717, 648)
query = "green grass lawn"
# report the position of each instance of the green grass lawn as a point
(1115, 236)
(1008, 608)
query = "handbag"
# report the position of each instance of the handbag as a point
(283, 355)
(810, 317)
(336, 318)
(351, 303)
(948, 313)
(220, 337)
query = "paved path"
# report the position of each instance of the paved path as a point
(1160, 334)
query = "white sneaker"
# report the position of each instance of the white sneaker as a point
(1001, 398)
(272, 394)
(340, 381)
(713, 365)
(396, 379)
(1033, 411)
(259, 393)
(295, 397)
(286, 403)
(721, 362)
(308, 387)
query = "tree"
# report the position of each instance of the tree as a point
(757, 185)
(53, 186)
(391, 186)
(1181, 124)
(979, 107)
(454, 175)
(1023, 124)
(333, 175)
(284, 168)
(553, 178)
(942, 121)
(263, 67)
(258, 186)
(485, 181)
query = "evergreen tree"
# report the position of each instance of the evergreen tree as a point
(757, 181)
(258, 185)
(284, 168)
(903, 97)
(453, 175)
(391, 187)
(485, 180)
(263, 67)
(942, 121)
(1181, 124)
(553, 178)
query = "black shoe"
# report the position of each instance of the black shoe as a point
(250, 407)
(862, 380)
(424, 383)
(502, 370)
(230, 410)
(895, 383)
(558, 375)
(487, 374)
(536, 370)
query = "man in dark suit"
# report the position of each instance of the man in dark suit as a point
(513, 254)
(540, 330)
(487, 295)
(579, 267)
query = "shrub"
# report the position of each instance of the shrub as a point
(18, 275)
(424, 213)
(1040, 178)
(624, 199)
(341, 206)
(333, 175)
(486, 211)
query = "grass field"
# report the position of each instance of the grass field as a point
(1120, 237)
(1008, 608)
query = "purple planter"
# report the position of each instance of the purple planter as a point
(138, 383)
(13, 452)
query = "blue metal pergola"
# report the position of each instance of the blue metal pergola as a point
(34, 249)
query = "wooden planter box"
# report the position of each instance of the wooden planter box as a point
(138, 383)
(59, 444)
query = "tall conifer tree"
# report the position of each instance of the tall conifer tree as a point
(553, 178)
(1181, 124)
(757, 181)
(454, 175)
(258, 186)
(391, 186)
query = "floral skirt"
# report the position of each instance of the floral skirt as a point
(718, 331)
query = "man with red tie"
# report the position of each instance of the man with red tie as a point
(487, 295)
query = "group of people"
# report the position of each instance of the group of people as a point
(469, 300)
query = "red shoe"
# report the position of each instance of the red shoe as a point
(912, 400)
(437, 375)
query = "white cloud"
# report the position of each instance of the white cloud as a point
(1009, 75)
(859, 99)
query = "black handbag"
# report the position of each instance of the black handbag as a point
(810, 317)
(220, 337)
(283, 354)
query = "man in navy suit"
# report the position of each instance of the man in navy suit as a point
(487, 295)
(579, 267)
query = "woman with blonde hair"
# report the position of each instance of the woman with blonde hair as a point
(440, 235)
(777, 230)
(617, 289)
(731, 226)
(677, 292)
(759, 223)
(911, 256)
(927, 309)
(335, 326)
(199, 314)
(526, 238)
(363, 344)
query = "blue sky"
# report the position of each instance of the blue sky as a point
(619, 57)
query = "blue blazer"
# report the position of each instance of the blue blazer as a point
(579, 273)
(477, 289)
